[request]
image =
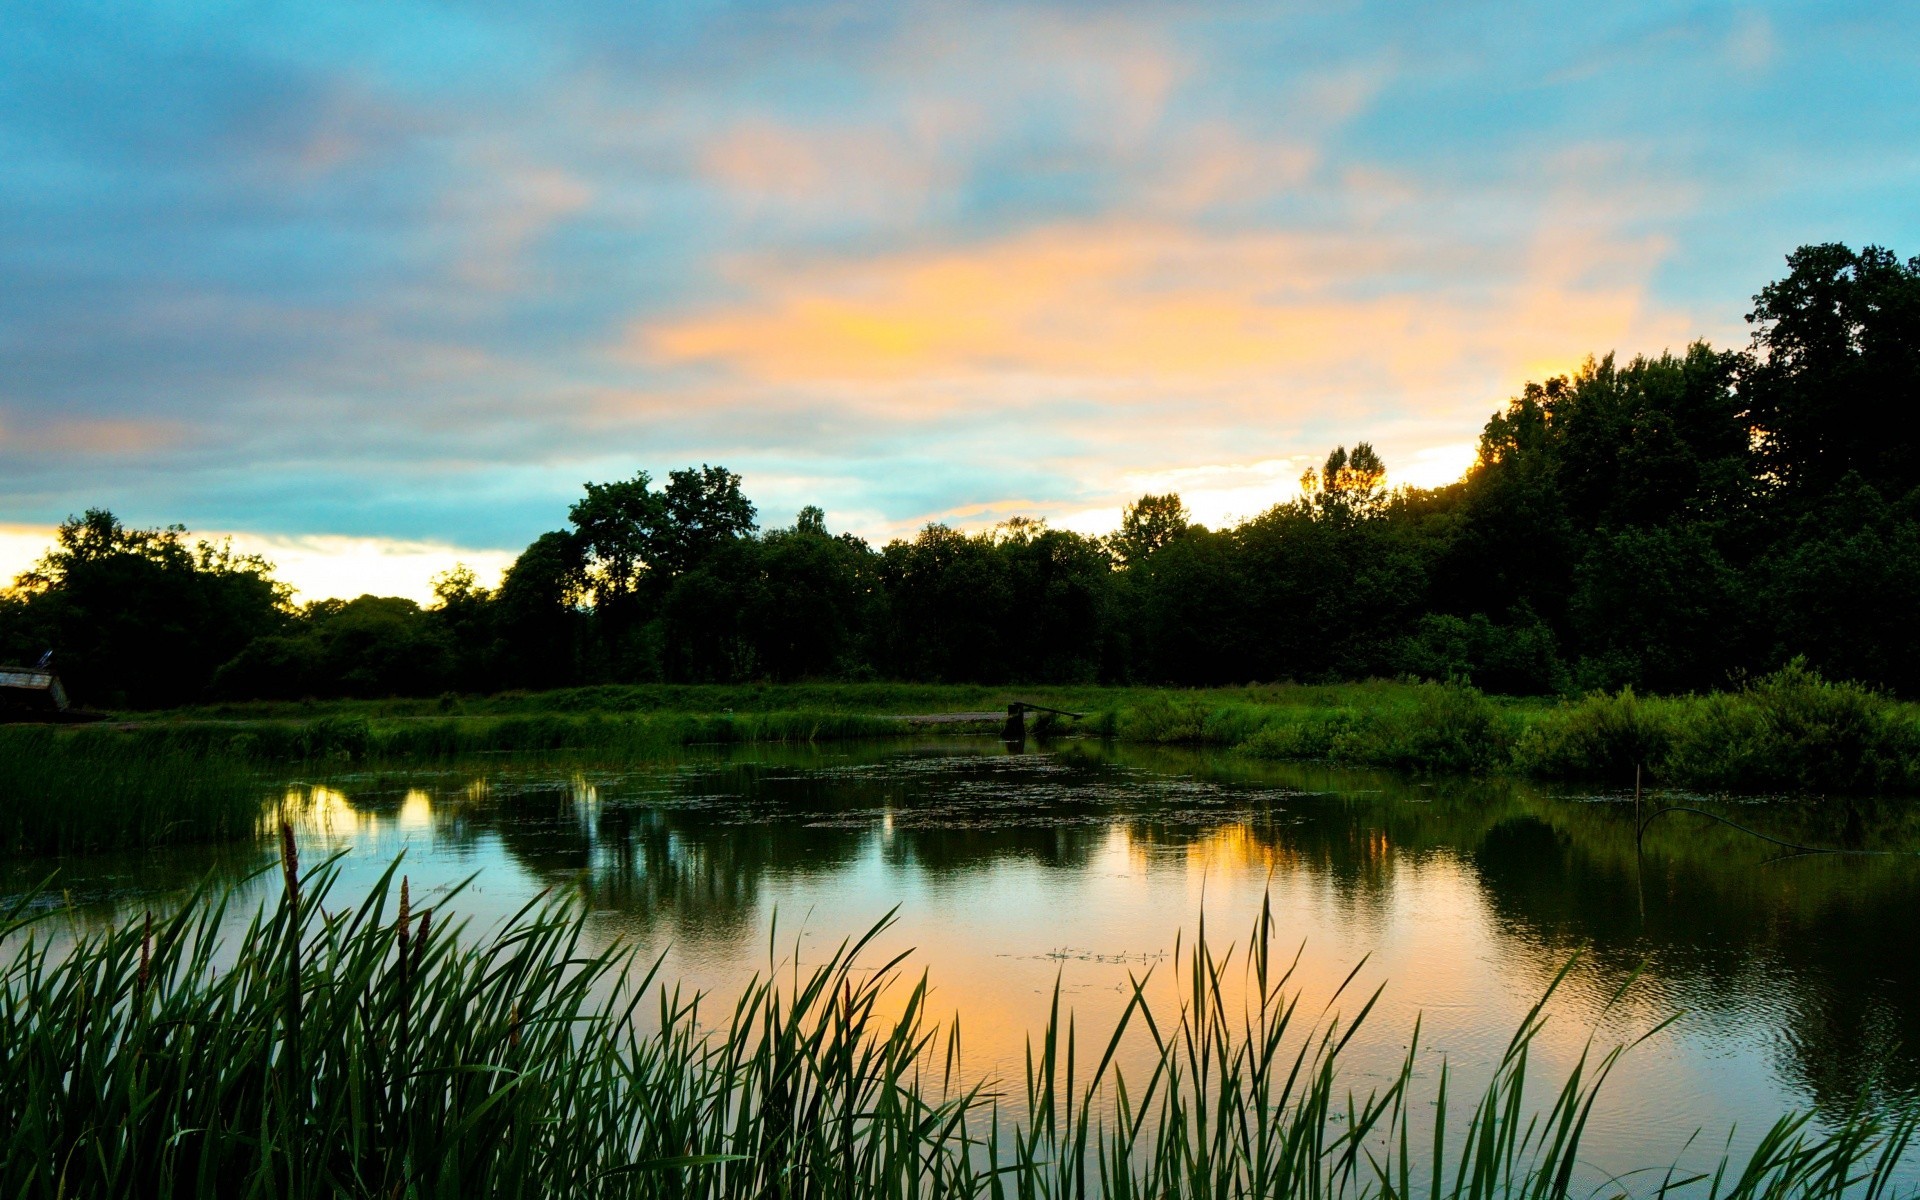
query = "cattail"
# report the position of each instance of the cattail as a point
(513, 1028)
(290, 868)
(406, 919)
(289, 862)
(420, 943)
(146, 953)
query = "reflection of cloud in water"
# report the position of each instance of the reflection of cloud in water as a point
(1083, 864)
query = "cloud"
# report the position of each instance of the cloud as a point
(85, 439)
(1138, 308)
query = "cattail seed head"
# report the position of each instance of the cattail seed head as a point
(420, 944)
(289, 857)
(146, 952)
(406, 915)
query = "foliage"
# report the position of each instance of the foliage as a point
(138, 617)
(372, 1050)
(1149, 524)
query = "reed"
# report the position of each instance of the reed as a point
(361, 1050)
(72, 791)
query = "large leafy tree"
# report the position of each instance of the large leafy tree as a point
(139, 617)
(1834, 382)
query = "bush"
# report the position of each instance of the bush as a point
(1519, 658)
(1599, 735)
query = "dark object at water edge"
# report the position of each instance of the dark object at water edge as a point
(1015, 729)
(35, 694)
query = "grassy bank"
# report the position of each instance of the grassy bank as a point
(368, 1050)
(186, 776)
(1789, 731)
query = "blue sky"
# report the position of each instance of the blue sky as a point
(384, 283)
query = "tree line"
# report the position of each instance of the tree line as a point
(1673, 522)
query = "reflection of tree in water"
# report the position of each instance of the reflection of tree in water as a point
(701, 871)
(968, 849)
(1819, 948)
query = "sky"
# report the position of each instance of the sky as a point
(374, 287)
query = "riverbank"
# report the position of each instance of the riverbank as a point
(192, 775)
(1788, 731)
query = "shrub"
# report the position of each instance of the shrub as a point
(1600, 735)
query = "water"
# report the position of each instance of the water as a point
(1085, 866)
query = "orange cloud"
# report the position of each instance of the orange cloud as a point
(1150, 306)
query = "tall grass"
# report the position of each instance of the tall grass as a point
(1788, 731)
(1791, 730)
(66, 791)
(382, 1050)
(348, 737)
(1428, 726)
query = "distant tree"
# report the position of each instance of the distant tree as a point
(1059, 587)
(1185, 612)
(703, 510)
(1834, 382)
(1658, 609)
(1842, 587)
(950, 607)
(140, 617)
(817, 603)
(367, 648)
(463, 611)
(1349, 486)
(537, 614)
(1148, 524)
(618, 528)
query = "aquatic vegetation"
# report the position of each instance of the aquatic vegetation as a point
(65, 791)
(384, 1049)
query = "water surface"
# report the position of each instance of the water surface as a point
(1084, 866)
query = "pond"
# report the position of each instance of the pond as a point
(1085, 865)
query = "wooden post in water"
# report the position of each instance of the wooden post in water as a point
(1015, 729)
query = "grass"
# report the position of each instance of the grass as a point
(1788, 731)
(67, 794)
(377, 1049)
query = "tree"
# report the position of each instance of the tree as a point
(1834, 382)
(140, 617)
(1148, 524)
(703, 510)
(618, 528)
(1350, 486)
(537, 612)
